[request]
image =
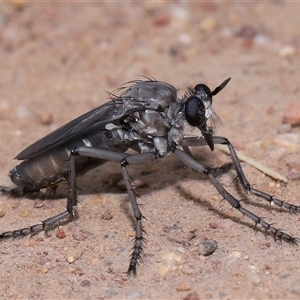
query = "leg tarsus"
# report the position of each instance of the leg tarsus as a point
(43, 226)
(137, 253)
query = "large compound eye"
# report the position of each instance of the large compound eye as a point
(195, 111)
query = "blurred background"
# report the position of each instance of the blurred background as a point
(71, 53)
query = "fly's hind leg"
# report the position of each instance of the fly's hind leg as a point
(71, 212)
(68, 215)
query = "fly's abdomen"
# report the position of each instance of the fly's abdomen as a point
(51, 168)
(42, 171)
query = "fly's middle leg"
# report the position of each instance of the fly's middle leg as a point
(139, 239)
(71, 212)
(125, 160)
(138, 242)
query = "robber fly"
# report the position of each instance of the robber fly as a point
(148, 117)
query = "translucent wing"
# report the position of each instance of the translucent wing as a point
(110, 112)
(150, 94)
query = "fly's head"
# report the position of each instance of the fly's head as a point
(198, 109)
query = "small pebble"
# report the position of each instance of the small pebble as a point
(270, 110)
(1, 213)
(19, 4)
(207, 247)
(287, 51)
(213, 225)
(168, 262)
(183, 285)
(187, 270)
(107, 215)
(25, 213)
(73, 255)
(60, 234)
(161, 19)
(192, 296)
(43, 270)
(131, 233)
(292, 114)
(235, 254)
(271, 184)
(208, 24)
(78, 272)
(233, 257)
(70, 259)
(46, 119)
(180, 249)
(39, 203)
(85, 283)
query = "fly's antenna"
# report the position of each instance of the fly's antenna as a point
(220, 87)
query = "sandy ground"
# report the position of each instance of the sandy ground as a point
(58, 59)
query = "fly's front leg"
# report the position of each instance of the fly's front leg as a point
(245, 183)
(201, 142)
(192, 163)
(240, 173)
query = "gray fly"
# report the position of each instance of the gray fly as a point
(148, 117)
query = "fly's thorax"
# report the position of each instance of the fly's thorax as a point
(176, 119)
(154, 105)
(162, 127)
(150, 123)
(152, 94)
